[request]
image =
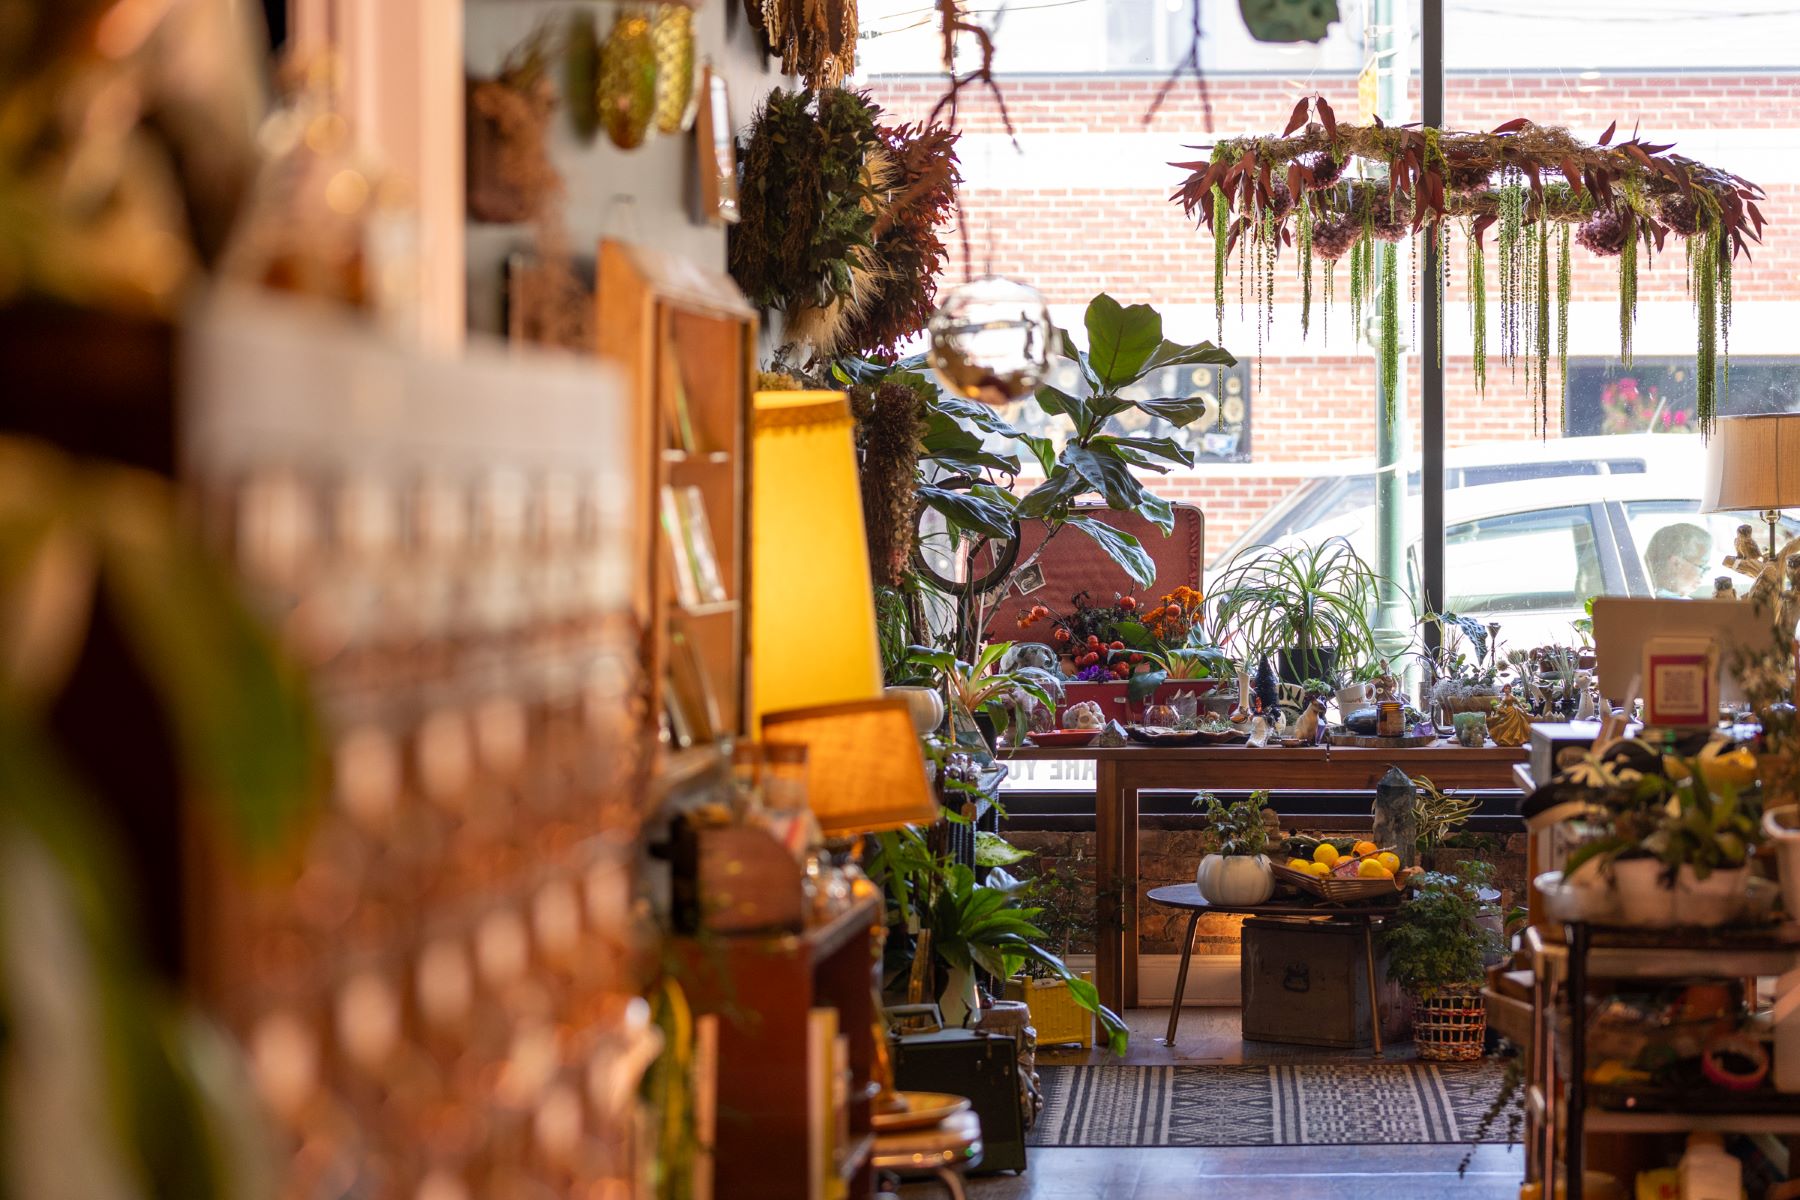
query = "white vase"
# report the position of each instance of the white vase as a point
(1782, 824)
(1235, 880)
(1643, 900)
(1716, 900)
(924, 704)
(960, 998)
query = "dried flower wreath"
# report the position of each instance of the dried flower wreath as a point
(1534, 183)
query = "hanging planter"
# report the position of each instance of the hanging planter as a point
(510, 176)
(1529, 184)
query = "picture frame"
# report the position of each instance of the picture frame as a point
(716, 191)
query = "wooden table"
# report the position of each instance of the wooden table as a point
(1121, 774)
(1187, 896)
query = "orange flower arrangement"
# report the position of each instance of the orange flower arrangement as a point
(1175, 615)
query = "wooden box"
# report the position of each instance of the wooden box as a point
(1306, 982)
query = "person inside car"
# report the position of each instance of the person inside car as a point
(1677, 557)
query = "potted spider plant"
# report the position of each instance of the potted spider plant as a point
(1307, 605)
(995, 700)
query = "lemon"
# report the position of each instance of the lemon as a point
(1389, 859)
(1325, 853)
(1318, 869)
(1370, 868)
(1364, 849)
(1298, 864)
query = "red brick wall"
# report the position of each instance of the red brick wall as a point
(1072, 243)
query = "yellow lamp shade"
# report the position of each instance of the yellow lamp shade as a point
(864, 769)
(812, 603)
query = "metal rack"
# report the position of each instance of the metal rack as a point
(1563, 1113)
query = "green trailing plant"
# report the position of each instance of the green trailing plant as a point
(1436, 939)
(1628, 265)
(1563, 283)
(1477, 286)
(977, 926)
(1390, 327)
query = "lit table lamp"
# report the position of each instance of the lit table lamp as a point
(815, 660)
(1753, 464)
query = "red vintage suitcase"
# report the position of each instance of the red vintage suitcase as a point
(1074, 563)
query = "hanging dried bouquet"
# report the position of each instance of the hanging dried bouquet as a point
(1331, 192)
(840, 220)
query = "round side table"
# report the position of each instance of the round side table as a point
(945, 1150)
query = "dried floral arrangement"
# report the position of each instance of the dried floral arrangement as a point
(510, 177)
(1333, 191)
(840, 219)
(815, 39)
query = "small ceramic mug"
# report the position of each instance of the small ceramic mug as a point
(1471, 729)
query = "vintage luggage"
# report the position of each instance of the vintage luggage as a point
(1306, 981)
(983, 1067)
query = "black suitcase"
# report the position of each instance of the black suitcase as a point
(983, 1067)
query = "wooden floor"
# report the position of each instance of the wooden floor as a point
(1211, 1035)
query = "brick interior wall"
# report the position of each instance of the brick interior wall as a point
(1129, 241)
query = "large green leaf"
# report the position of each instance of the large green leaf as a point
(1158, 511)
(982, 416)
(1120, 340)
(1043, 449)
(1106, 473)
(1079, 358)
(1059, 403)
(1121, 547)
(1178, 411)
(1051, 497)
(967, 511)
(1174, 354)
(1161, 447)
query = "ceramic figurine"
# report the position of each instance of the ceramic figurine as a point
(1509, 726)
(1311, 722)
(1396, 818)
(1259, 730)
(1722, 589)
(1584, 709)
(1745, 544)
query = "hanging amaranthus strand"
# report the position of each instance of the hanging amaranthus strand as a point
(1221, 256)
(1390, 326)
(1628, 292)
(1303, 227)
(1543, 327)
(1477, 286)
(1706, 296)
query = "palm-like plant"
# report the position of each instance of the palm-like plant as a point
(974, 925)
(1311, 604)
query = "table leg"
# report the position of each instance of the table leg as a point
(1109, 937)
(1127, 789)
(952, 1183)
(1187, 952)
(1368, 925)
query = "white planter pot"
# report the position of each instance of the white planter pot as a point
(1782, 824)
(1353, 697)
(925, 705)
(1716, 900)
(959, 999)
(1643, 900)
(1235, 880)
(1588, 898)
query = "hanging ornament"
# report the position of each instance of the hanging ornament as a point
(1288, 20)
(628, 80)
(581, 74)
(673, 34)
(990, 340)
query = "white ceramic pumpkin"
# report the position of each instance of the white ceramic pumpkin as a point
(1235, 879)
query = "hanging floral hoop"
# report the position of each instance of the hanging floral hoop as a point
(1333, 191)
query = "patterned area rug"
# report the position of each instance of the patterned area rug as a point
(1275, 1104)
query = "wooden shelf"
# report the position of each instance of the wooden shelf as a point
(717, 608)
(697, 458)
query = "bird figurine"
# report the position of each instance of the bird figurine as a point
(1311, 722)
(1509, 726)
(1745, 544)
(1722, 589)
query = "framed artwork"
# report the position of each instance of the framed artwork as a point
(716, 168)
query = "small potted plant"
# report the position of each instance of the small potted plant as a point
(1463, 680)
(994, 700)
(1307, 605)
(1237, 872)
(1437, 944)
(1066, 915)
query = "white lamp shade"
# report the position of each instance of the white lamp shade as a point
(1753, 464)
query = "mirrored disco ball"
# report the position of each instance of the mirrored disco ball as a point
(990, 340)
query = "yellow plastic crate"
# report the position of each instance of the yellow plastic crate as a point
(1059, 1021)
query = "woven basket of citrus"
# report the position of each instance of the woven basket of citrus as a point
(1366, 872)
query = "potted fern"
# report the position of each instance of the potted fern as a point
(1437, 944)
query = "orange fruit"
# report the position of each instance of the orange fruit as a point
(1364, 849)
